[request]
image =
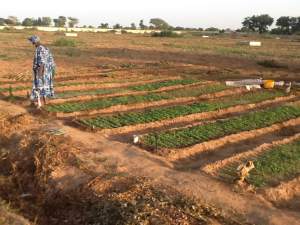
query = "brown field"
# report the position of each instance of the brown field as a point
(74, 161)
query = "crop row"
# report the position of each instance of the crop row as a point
(189, 136)
(277, 164)
(133, 99)
(21, 88)
(172, 112)
(145, 87)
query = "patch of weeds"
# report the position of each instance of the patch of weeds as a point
(14, 99)
(127, 65)
(64, 42)
(73, 52)
(4, 57)
(271, 64)
(166, 33)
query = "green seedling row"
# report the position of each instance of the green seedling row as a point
(133, 99)
(147, 87)
(192, 135)
(158, 85)
(172, 112)
(56, 85)
(271, 167)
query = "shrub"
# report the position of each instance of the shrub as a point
(271, 64)
(165, 33)
(73, 52)
(63, 42)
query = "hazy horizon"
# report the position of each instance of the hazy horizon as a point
(188, 13)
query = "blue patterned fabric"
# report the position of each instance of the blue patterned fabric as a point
(34, 39)
(43, 84)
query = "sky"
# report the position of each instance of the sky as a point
(187, 13)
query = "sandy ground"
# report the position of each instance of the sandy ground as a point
(128, 56)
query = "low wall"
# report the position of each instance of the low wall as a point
(79, 29)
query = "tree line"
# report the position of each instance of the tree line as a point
(61, 21)
(262, 23)
(255, 23)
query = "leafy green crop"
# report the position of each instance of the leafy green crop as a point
(192, 135)
(13, 89)
(280, 163)
(157, 85)
(146, 87)
(271, 167)
(133, 118)
(133, 99)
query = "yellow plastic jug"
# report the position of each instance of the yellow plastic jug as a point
(269, 84)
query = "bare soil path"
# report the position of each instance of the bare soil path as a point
(128, 158)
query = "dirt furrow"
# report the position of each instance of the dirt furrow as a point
(139, 106)
(183, 153)
(203, 159)
(87, 79)
(186, 120)
(94, 86)
(214, 167)
(285, 195)
(100, 96)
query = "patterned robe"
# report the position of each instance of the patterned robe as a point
(43, 84)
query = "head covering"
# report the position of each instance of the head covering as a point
(34, 39)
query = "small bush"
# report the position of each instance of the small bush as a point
(165, 33)
(73, 52)
(63, 42)
(271, 64)
(3, 57)
(128, 65)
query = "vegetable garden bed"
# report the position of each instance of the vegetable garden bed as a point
(148, 116)
(278, 164)
(185, 137)
(133, 99)
(146, 87)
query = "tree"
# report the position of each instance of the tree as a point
(37, 22)
(2, 21)
(133, 26)
(104, 26)
(60, 21)
(159, 24)
(284, 24)
(28, 22)
(142, 25)
(73, 21)
(248, 24)
(295, 24)
(259, 23)
(46, 21)
(179, 28)
(264, 22)
(117, 26)
(12, 20)
(212, 29)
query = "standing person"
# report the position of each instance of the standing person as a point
(43, 72)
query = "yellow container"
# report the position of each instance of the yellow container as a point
(269, 84)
